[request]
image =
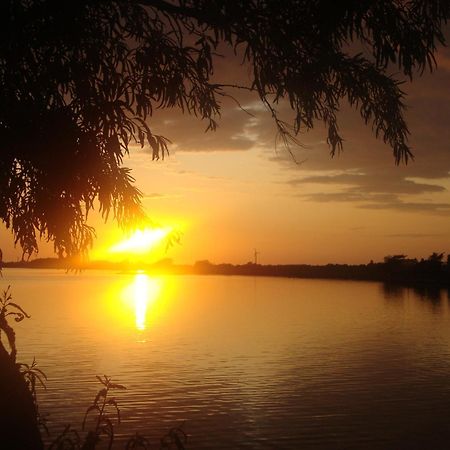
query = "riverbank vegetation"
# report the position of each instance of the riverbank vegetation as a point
(432, 270)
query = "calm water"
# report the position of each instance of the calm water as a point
(260, 363)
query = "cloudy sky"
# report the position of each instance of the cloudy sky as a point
(235, 190)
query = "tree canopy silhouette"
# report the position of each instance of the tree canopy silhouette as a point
(81, 79)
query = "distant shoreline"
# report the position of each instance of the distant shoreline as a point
(405, 272)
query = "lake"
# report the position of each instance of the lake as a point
(245, 363)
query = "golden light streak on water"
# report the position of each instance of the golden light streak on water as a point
(135, 301)
(145, 293)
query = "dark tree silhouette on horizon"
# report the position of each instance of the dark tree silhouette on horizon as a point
(80, 81)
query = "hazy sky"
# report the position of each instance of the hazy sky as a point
(232, 191)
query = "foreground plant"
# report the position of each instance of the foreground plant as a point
(19, 416)
(176, 438)
(101, 407)
(102, 413)
(34, 376)
(10, 309)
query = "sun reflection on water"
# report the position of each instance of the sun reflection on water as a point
(137, 301)
(145, 293)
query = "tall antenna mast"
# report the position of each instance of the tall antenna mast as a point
(256, 253)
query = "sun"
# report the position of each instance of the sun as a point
(141, 241)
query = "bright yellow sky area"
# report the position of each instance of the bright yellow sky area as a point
(141, 244)
(228, 203)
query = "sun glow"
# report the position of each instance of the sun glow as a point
(135, 301)
(141, 241)
(145, 293)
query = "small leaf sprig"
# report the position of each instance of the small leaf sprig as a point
(9, 308)
(137, 442)
(101, 406)
(176, 438)
(34, 376)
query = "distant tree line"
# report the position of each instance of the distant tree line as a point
(434, 270)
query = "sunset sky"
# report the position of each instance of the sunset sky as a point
(231, 191)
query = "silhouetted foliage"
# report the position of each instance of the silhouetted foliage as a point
(137, 442)
(103, 420)
(79, 81)
(394, 259)
(394, 269)
(34, 376)
(10, 309)
(19, 418)
(69, 439)
(103, 425)
(176, 438)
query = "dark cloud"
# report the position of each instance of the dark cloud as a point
(379, 202)
(156, 196)
(373, 191)
(362, 183)
(414, 235)
(153, 195)
(348, 196)
(420, 207)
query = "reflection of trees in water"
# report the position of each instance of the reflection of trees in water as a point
(428, 293)
(433, 295)
(393, 291)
